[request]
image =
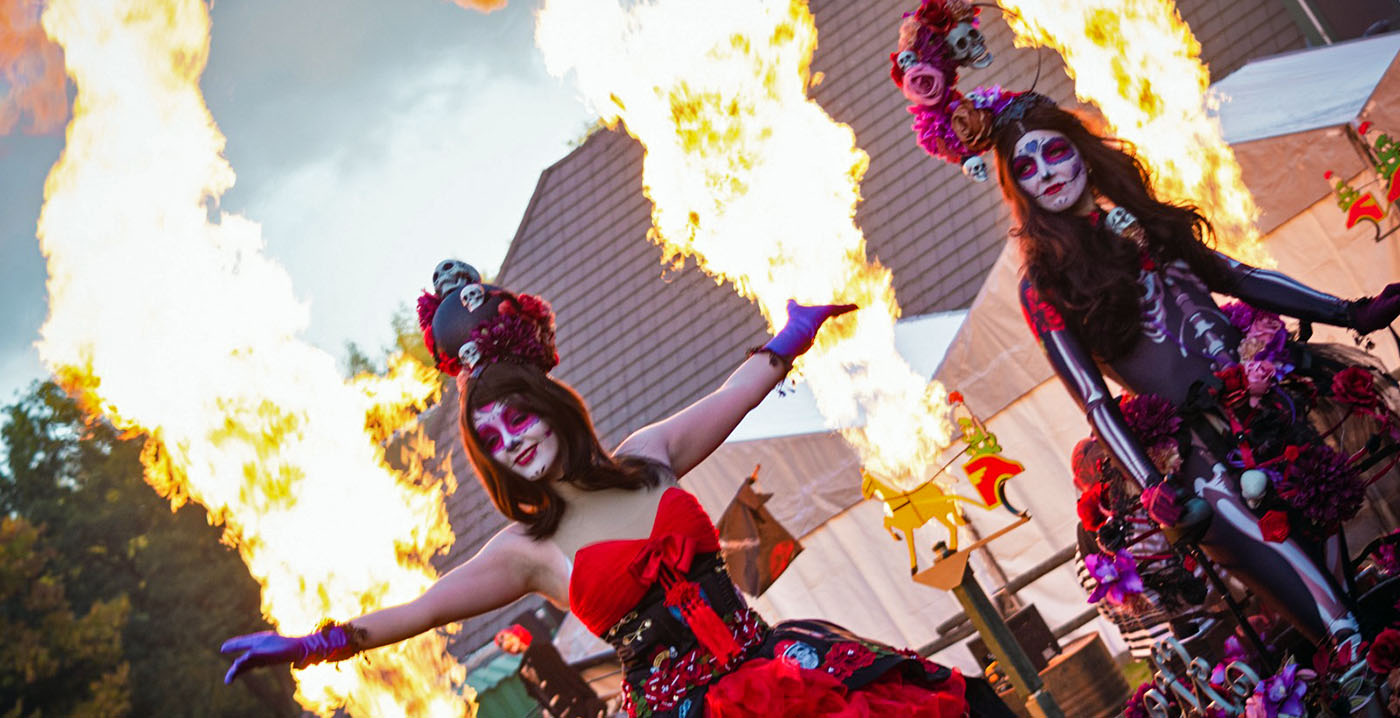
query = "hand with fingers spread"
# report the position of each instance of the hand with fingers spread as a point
(1372, 313)
(332, 642)
(796, 336)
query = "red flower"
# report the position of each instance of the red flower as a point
(1355, 385)
(1274, 526)
(1291, 453)
(847, 657)
(934, 15)
(896, 72)
(1090, 508)
(1384, 655)
(1236, 384)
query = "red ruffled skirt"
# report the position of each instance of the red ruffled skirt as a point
(767, 688)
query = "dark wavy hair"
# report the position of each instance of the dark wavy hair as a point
(582, 460)
(1086, 271)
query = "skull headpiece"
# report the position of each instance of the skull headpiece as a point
(967, 46)
(473, 296)
(975, 168)
(452, 273)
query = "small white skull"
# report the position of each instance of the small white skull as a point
(470, 354)
(967, 46)
(452, 273)
(906, 59)
(1253, 483)
(473, 296)
(1119, 220)
(975, 168)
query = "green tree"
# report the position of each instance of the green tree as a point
(54, 662)
(112, 536)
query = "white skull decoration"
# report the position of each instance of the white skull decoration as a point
(452, 273)
(470, 354)
(473, 296)
(1119, 220)
(906, 59)
(1253, 484)
(975, 168)
(966, 46)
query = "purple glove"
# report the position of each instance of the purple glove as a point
(333, 642)
(1372, 313)
(803, 322)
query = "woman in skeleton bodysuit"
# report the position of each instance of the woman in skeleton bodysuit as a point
(1117, 283)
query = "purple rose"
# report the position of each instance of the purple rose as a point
(1116, 575)
(1241, 315)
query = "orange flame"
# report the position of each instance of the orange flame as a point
(168, 317)
(31, 71)
(755, 182)
(1139, 62)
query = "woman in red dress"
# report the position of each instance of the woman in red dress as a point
(612, 537)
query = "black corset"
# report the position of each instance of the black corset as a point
(651, 629)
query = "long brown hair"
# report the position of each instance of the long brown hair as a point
(582, 459)
(1089, 273)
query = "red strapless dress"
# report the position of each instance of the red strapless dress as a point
(691, 648)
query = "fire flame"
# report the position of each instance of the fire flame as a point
(167, 317)
(759, 185)
(1139, 62)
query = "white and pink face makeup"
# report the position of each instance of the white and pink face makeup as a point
(516, 438)
(1049, 168)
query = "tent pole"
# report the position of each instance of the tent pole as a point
(1315, 28)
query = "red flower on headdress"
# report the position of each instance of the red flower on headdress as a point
(935, 16)
(896, 72)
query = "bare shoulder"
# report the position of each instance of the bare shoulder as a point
(539, 563)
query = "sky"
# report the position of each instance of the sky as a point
(371, 140)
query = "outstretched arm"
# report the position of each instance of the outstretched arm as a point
(684, 439)
(1081, 376)
(1278, 292)
(509, 566)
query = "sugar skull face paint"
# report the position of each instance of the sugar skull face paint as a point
(1049, 168)
(516, 438)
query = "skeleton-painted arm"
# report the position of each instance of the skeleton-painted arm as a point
(1081, 376)
(1277, 292)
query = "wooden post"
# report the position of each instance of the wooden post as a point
(988, 622)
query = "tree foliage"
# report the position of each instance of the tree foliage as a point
(114, 549)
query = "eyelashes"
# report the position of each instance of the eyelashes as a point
(1023, 168)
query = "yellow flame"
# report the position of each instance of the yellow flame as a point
(1139, 62)
(167, 316)
(753, 180)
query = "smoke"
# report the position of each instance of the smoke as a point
(481, 5)
(33, 90)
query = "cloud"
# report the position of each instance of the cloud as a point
(448, 174)
(33, 86)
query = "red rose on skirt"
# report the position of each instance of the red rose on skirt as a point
(1355, 385)
(1090, 508)
(1236, 384)
(1274, 526)
(1384, 655)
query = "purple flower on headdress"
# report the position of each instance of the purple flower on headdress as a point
(934, 131)
(1280, 695)
(1150, 417)
(990, 98)
(1116, 575)
(1387, 557)
(1323, 486)
(1241, 315)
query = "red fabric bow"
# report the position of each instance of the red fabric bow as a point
(673, 551)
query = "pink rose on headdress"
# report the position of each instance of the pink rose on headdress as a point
(1268, 332)
(1259, 377)
(924, 84)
